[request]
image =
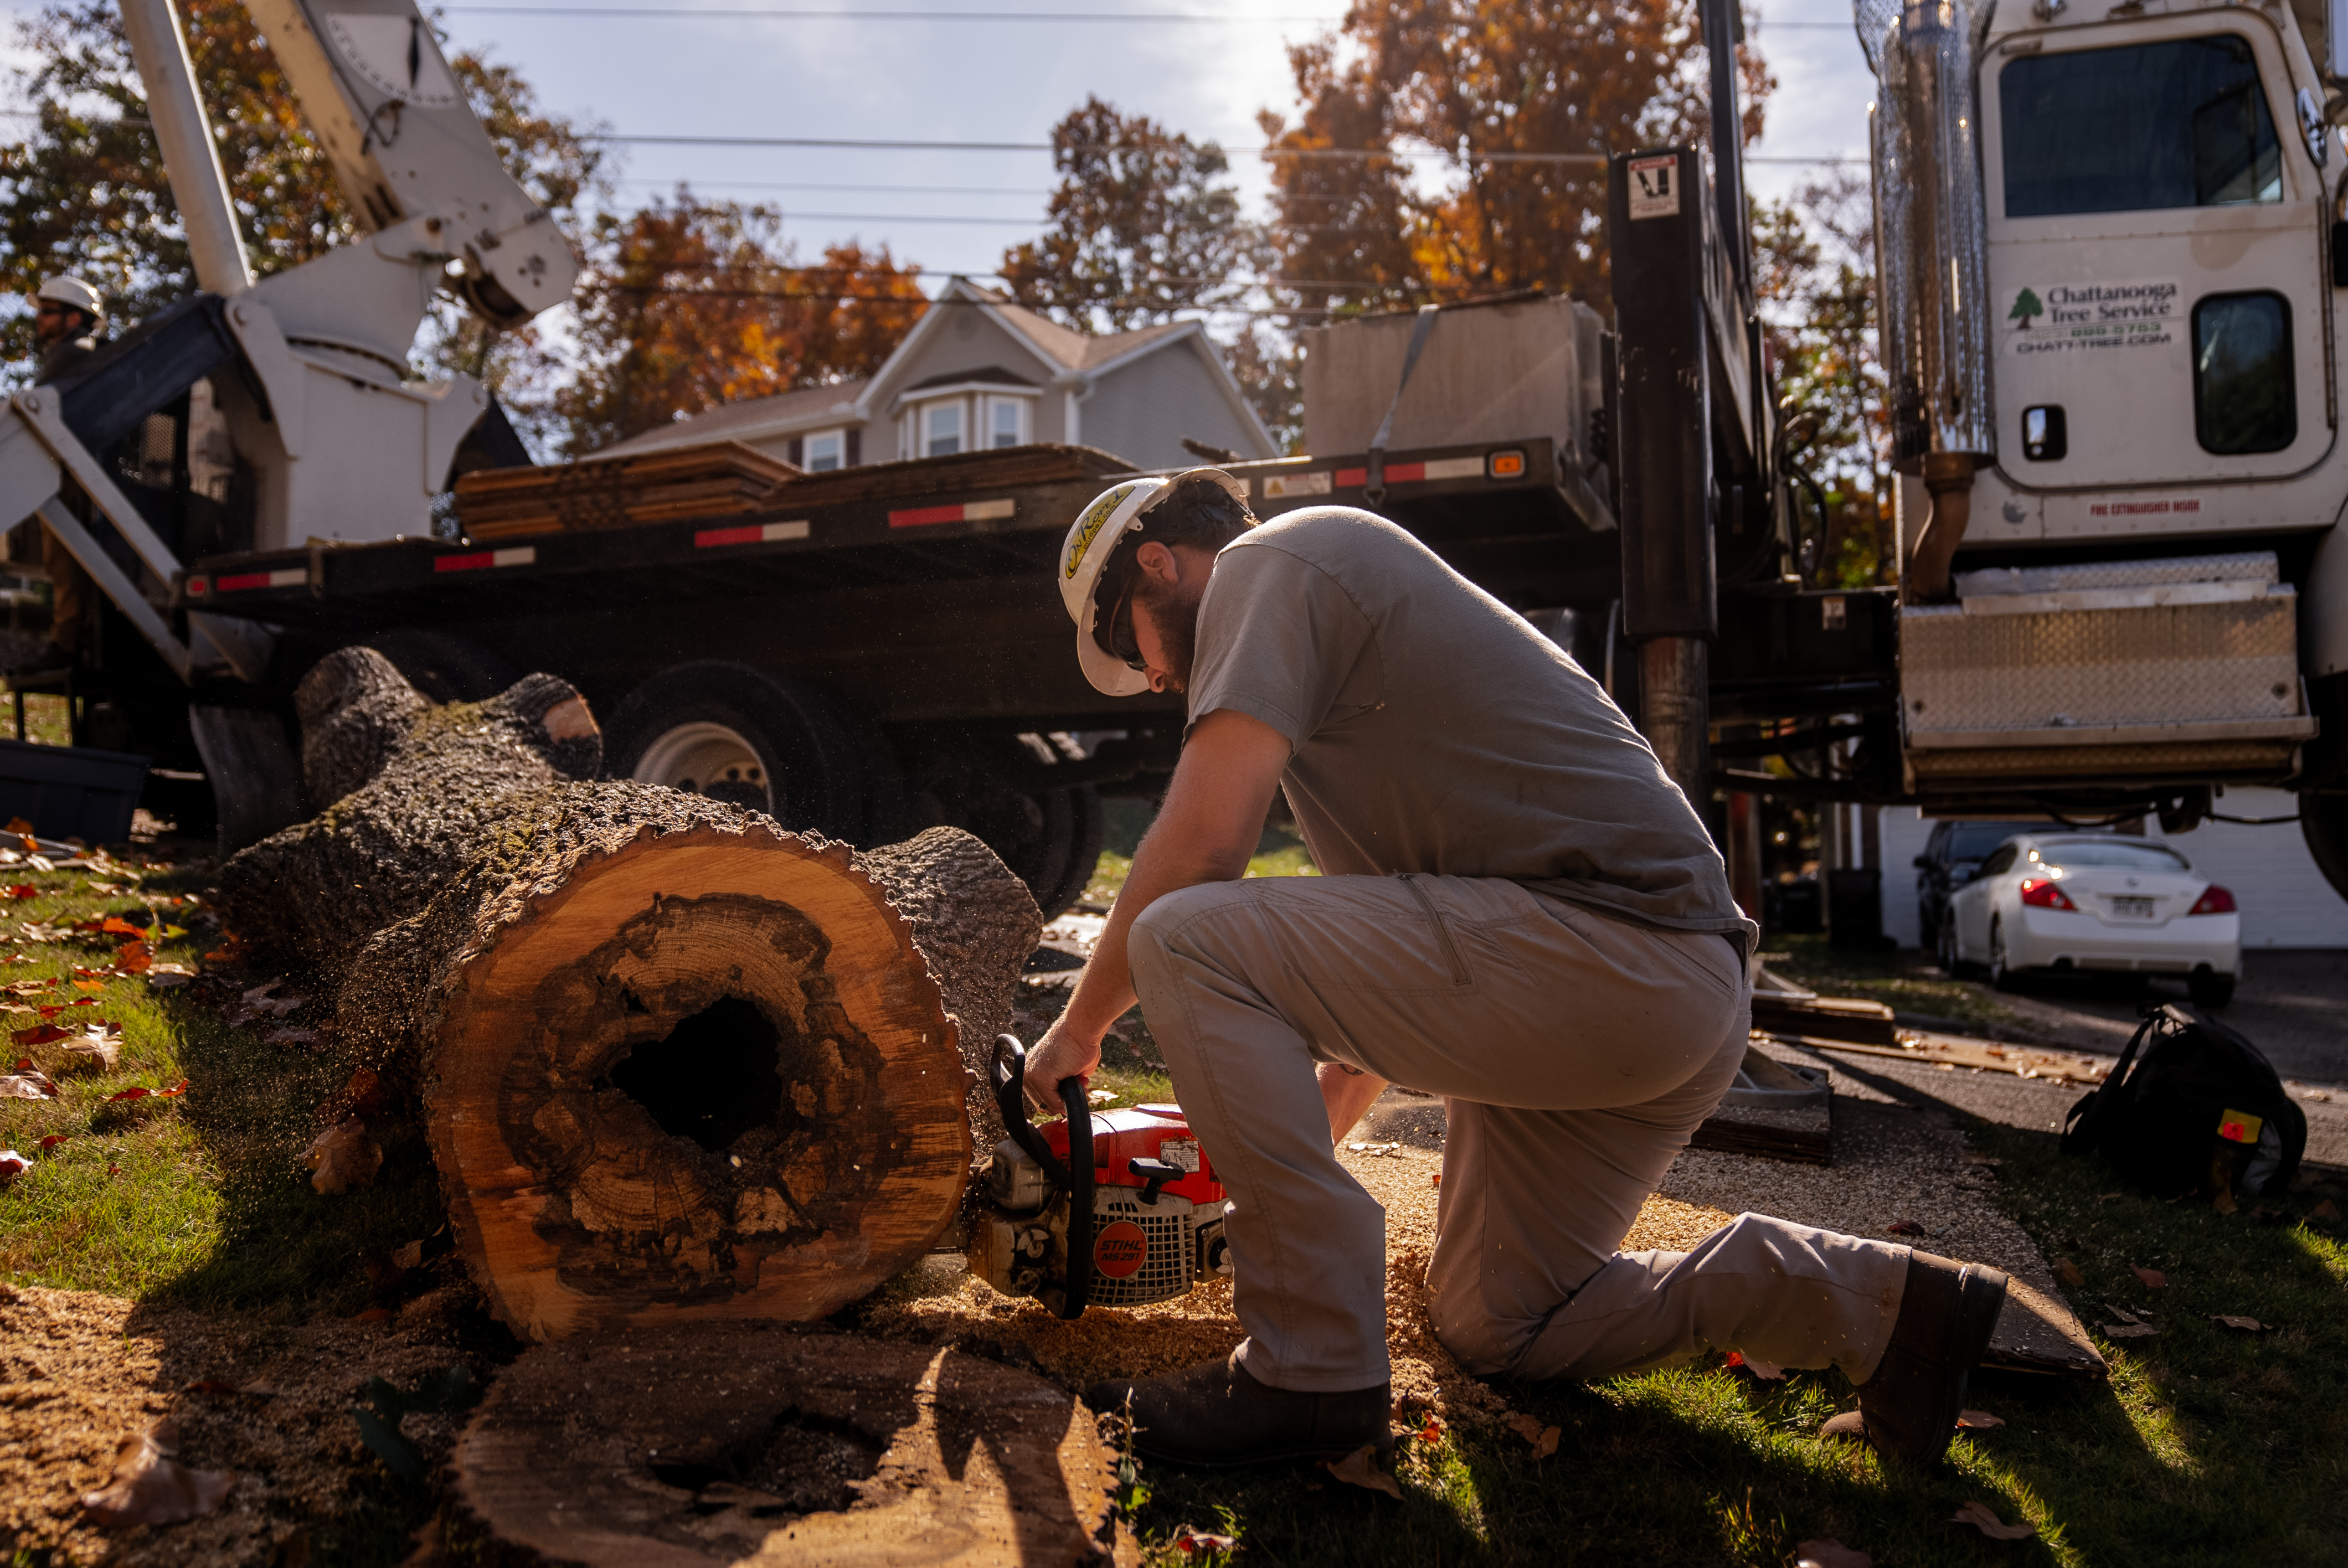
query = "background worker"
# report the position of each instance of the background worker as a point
(1520, 912)
(68, 318)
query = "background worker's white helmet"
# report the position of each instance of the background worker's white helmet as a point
(74, 294)
(1091, 540)
(1086, 553)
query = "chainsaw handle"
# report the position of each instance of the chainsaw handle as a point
(1079, 1288)
(1010, 1073)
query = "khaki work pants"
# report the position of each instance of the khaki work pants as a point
(1576, 1053)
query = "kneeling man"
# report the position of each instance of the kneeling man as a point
(1520, 912)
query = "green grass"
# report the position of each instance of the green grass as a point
(200, 1200)
(49, 718)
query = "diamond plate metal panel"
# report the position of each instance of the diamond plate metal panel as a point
(2177, 664)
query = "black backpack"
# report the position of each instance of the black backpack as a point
(2202, 1112)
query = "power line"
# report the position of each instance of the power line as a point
(879, 145)
(801, 185)
(799, 14)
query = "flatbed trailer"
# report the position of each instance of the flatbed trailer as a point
(884, 645)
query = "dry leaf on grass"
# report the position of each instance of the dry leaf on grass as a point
(27, 1085)
(2224, 1201)
(150, 1093)
(1360, 1469)
(1543, 1439)
(1849, 1424)
(12, 1165)
(1829, 1553)
(1979, 1516)
(2153, 1278)
(151, 1486)
(2249, 1325)
(1767, 1371)
(2126, 1330)
(2068, 1273)
(2326, 1210)
(101, 1044)
(344, 1156)
(1977, 1420)
(1188, 1541)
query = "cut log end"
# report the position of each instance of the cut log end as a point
(707, 1075)
(724, 1443)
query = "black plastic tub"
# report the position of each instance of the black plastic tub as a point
(70, 792)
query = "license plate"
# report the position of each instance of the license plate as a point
(2132, 908)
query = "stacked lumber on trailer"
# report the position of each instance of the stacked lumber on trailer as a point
(955, 477)
(675, 484)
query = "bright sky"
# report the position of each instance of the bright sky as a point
(860, 74)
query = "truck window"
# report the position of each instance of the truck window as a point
(2182, 123)
(2243, 395)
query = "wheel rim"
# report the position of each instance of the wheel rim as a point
(707, 759)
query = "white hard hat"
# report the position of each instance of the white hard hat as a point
(74, 294)
(1086, 552)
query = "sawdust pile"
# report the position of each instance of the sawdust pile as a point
(938, 1306)
(270, 1405)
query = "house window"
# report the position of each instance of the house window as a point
(1007, 422)
(942, 429)
(827, 450)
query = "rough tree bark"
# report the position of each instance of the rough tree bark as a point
(674, 1062)
(735, 1444)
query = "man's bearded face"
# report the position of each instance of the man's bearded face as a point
(1173, 610)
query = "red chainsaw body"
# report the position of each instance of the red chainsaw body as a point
(1145, 1133)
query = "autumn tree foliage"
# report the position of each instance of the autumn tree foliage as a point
(84, 191)
(1479, 85)
(1144, 223)
(688, 304)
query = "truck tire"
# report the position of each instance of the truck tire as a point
(445, 667)
(741, 735)
(1072, 850)
(2323, 823)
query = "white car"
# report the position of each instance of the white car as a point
(2062, 901)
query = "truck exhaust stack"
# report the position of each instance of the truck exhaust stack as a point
(1932, 261)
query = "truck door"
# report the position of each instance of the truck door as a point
(2157, 283)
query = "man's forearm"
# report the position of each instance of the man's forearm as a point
(1106, 990)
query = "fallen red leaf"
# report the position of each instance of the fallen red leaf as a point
(129, 1095)
(1189, 1542)
(12, 1165)
(1903, 1227)
(39, 1034)
(24, 890)
(2153, 1278)
(151, 1486)
(1432, 1432)
(1736, 1358)
(1981, 1518)
(53, 1140)
(116, 925)
(379, 1315)
(133, 958)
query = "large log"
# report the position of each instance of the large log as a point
(725, 1444)
(673, 1060)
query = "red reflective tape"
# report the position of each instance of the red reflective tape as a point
(709, 536)
(1397, 474)
(199, 586)
(921, 515)
(473, 562)
(240, 580)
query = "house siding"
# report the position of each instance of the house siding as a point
(1141, 411)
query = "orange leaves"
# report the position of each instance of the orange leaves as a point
(39, 1034)
(22, 890)
(2152, 1277)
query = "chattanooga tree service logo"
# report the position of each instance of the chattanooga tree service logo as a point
(2071, 318)
(1090, 525)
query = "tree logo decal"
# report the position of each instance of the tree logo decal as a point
(2026, 308)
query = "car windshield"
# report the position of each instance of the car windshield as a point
(1974, 840)
(2119, 852)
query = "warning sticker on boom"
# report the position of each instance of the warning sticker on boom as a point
(1655, 185)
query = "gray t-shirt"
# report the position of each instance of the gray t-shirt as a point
(1434, 731)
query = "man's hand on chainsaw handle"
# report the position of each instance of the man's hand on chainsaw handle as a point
(1212, 817)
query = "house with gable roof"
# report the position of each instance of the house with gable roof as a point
(979, 370)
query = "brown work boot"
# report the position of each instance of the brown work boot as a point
(1215, 1415)
(1946, 1314)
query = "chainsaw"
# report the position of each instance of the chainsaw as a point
(1116, 1209)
